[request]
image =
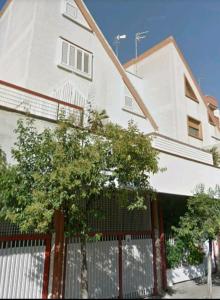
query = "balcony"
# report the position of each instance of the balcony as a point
(185, 167)
(170, 146)
(22, 100)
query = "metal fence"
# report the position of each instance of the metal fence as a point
(118, 264)
(24, 266)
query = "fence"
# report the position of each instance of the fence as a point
(24, 266)
(119, 265)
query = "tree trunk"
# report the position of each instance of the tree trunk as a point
(209, 262)
(84, 271)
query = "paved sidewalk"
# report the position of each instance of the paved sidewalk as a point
(193, 289)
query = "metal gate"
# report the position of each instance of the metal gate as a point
(24, 266)
(118, 264)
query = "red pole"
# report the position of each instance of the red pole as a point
(46, 268)
(64, 268)
(120, 267)
(162, 251)
(58, 255)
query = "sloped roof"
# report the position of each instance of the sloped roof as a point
(171, 40)
(85, 12)
(211, 100)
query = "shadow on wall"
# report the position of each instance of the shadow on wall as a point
(103, 268)
(22, 262)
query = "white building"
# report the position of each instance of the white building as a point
(53, 55)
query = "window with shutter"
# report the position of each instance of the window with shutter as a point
(189, 91)
(128, 101)
(194, 128)
(71, 10)
(73, 58)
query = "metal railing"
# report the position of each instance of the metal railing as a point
(26, 101)
(174, 147)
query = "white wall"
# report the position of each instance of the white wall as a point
(163, 91)
(157, 88)
(187, 107)
(182, 175)
(16, 32)
(37, 68)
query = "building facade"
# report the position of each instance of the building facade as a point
(53, 56)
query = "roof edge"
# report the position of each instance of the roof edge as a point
(159, 46)
(4, 8)
(150, 51)
(194, 81)
(85, 12)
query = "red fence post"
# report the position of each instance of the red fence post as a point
(58, 255)
(46, 268)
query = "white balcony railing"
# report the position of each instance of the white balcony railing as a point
(174, 147)
(26, 101)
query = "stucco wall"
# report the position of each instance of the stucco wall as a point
(37, 68)
(157, 88)
(163, 91)
(182, 175)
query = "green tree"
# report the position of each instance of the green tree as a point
(216, 156)
(67, 169)
(201, 223)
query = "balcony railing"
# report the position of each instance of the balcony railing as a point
(170, 146)
(22, 100)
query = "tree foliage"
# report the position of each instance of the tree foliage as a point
(200, 223)
(202, 219)
(68, 168)
(216, 156)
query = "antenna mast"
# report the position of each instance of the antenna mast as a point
(138, 37)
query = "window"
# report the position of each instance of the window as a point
(70, 9)
(76, 59)
(128, 102)
(189, 91)
(194, 128)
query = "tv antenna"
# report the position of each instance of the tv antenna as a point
(117, 39)
(138, 37)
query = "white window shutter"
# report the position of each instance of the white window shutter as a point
(128, 102)
(64, 56)
(71, 10)
(86, 63)
(79, 60)
(72, 56)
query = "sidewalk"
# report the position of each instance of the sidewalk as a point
(194, 289)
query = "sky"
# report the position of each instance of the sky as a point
(194, 24)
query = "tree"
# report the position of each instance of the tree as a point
(66, 169)
(201, 223)
(216, 156)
